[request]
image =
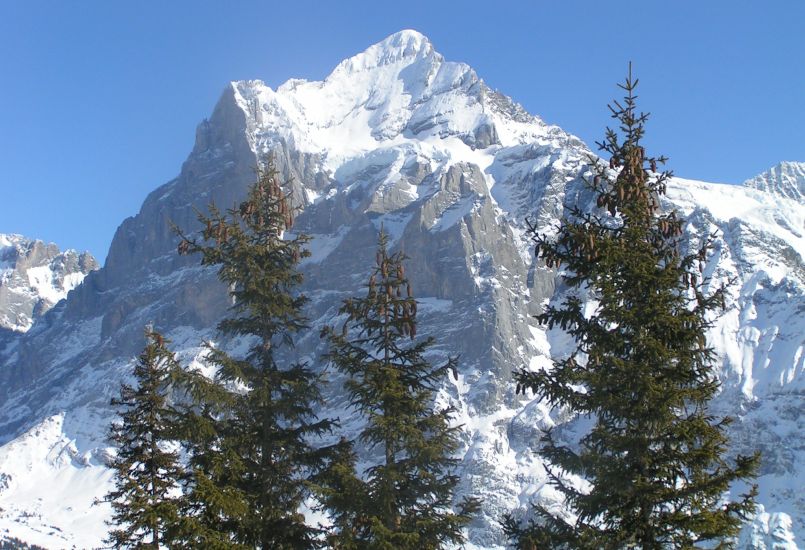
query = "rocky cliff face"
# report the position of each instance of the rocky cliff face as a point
(397, 136)
(34, 276)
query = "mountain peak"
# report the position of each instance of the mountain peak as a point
(406, 45)
(786, 178)
(406, 42)
(397, 91)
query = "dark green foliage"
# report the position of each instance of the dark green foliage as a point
(13, 543)
(642, 370)
(250, 431)
(405, 501)
(144, 500)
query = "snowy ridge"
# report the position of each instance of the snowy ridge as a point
(398, 136)
(787, 179)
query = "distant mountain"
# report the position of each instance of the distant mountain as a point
(34, 276)
(399, 136)
(787, 179)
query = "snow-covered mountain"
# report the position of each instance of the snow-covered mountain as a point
(34, 276)
(787, 179)
(400, 137)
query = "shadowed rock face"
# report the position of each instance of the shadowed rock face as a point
(399, 138)
(144, 280)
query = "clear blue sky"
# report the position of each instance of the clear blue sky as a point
(99, 100)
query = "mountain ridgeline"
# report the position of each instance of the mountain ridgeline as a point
(396, 137)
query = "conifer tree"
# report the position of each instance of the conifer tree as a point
(251, 430)
(405, 500)
(144, 501)
(656, 455)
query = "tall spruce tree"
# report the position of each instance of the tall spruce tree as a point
(405, 500)
(656, 456)
(144, 500)
(251, 430)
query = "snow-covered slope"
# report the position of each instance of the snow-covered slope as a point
(34, 276)
(398, 136)
(48, 489)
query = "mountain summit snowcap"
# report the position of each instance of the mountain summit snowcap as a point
(397, 91)
(404, 44)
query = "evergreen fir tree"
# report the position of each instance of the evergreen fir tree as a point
(144, 501)
(13, 543)
(250, 430)
(212, 501)
(405, 501)
(642, 369)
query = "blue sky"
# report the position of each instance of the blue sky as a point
(99, 100)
